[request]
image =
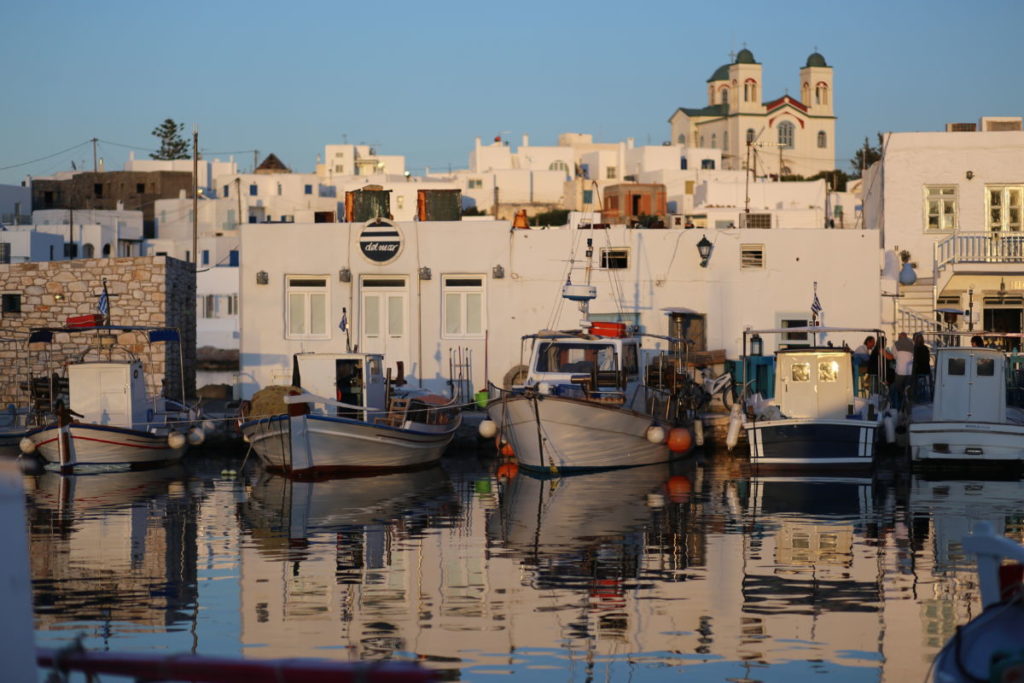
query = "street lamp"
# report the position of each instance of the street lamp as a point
(704, 248)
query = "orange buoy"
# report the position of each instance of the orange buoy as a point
(507, 470)
(679, 440)
(678, 488)
(507, 450)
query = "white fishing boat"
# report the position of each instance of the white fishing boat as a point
(990, 647)
(343, 414)
(968, 419)
(817, 417)
(106, 417)
(585, 402)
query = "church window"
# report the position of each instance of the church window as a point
(701, 140)
(940, 207)
(681, 139)
(821, 94)
(750, 135)
(714, 140)
(725, 95)
(822, 139)
(786, 135)
(750, 91)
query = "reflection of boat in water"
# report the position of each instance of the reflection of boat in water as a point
(304, 508)
(811, 496)
(541, 516)
(103, 490)
(991, 646)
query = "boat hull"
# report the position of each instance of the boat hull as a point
(963, 442)
(90, 445)
(320, 444)
(563, 434)
(812, 442)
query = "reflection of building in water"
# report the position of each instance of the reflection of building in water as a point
(114, 547)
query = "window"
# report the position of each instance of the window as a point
(940, 207)
(786, 133)
(5, 252)
(681, 139)
(463, 299)
(707, 164)
(140, 188)
(206, 257)
(828, 370)
(233, 258)
(986, 367)
(10, 303)
(756, 221)
(558, 166)
(682, 163)
(98, 189)
(232, 300)
(750, 135)
(750, 91)
(306, 304)
(794, 340)
(338, 168)
(800, 372)
(279, 189)
(475, 183)
(610, 173)
(821, 94)
(209, 306)
(714, 140)
(957, 366)
(227, 190)
(751, 256)
(724, 95)
(614, 258)
(822, 139)
(253, 190)
(308, 189)
(689, 186)
(588, 196)
(1004, 208)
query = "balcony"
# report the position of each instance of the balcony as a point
(980, 248)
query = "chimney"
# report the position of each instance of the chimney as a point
(526, 140)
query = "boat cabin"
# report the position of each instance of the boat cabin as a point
(353, 378)
(814, 383)
(583, 365)
(109, 393)
(970, 385)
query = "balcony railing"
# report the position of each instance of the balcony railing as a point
(980, 247)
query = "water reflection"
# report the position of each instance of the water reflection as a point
(480, 570)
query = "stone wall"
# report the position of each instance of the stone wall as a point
(154, 291)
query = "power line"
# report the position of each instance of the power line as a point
(48, 156)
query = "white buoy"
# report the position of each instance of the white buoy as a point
(488, 429)
(27, 445)
(890, 427)
(656, 434)
(196, 436)
(732, 436)
(176, 440)
(698, 432)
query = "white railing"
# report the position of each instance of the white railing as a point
(910, 322)
(980, 247)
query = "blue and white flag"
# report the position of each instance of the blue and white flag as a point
(343, 325)
(104, 305)
(815, 305)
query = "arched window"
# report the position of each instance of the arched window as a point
(786, 131)
(750, 135)
(822, 139)
(106, 249)
(750, 91)
(714, 140)
(805, 93)
(725, 140)
(88, 251)
(681, 139)
(821, 94)
(701, 140)
(558, 165)
(725, 95)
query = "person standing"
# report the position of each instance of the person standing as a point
(922, 369)
(904, 370)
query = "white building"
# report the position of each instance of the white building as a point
(94, 233)
(480, 285)
(784, 135)
(954, 201)
(208, 169)
(19, 244)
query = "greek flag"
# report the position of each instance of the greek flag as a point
(343, 325)
(104, 305)
(815, 305)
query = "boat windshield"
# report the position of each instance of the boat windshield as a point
(575, 357)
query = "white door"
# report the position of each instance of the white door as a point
(384, 323)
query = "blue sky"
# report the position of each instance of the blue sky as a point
(424, 79)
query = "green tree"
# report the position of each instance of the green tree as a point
(866, 155)
(172, 145)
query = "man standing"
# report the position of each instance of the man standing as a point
(904, 370)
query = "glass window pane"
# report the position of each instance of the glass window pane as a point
(801, 372)
(396, 317)
(371, 316)
(296, 313)
(986, 367)
(318, 313)
(957, 366)
(474, 313)
(828, 371)
(452, 313)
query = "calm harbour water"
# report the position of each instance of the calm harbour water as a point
(697, 568)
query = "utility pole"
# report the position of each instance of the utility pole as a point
(746, 178)
(195, 195)
(255, 159)
(238, 194)
(71, 231)
(94, 167)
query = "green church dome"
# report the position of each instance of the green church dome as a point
(745, 56)
(816, 60)
(721, 74)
